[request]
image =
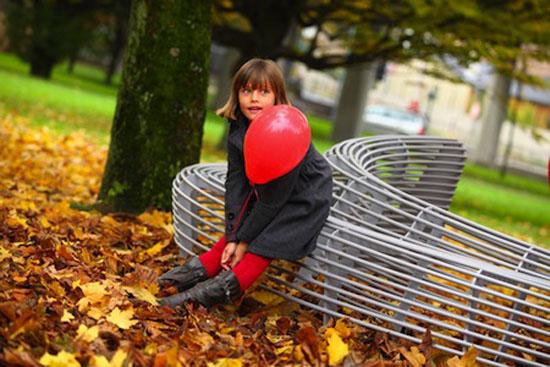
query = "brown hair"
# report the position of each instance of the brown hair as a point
(258, 73)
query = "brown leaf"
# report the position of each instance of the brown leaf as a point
(309, 341)
(426, 345)
(17, 358)
(283, 324)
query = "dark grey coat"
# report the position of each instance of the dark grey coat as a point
(282, 218)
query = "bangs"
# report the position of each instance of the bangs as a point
(256, 78)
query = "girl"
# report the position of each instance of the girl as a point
(277, 220)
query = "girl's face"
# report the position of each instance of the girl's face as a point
(253, 101)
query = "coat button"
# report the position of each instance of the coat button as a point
(231, 216)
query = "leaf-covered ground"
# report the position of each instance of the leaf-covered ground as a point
(79, 288)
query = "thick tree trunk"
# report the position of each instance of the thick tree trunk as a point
(160, 110)
(353, 97)
(494, 114)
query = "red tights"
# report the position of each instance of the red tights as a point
(247, 271)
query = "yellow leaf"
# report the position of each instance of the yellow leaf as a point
(298, 353)
(44, 222)
(94, 291)
(155, 250)
(414, 357)
(14, 221)
(337, 350)
(284, 349)
(117, 360)
(96, 313)
(4, 254)
(122, 319)
(342, 328)
(99, 361)
(467, 360)
(87, 334)
(266, 298)
(62, 359)
(142, 294)
(226, 362)
(27, 205)
(67, 316)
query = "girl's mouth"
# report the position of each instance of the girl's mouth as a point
(254, 110)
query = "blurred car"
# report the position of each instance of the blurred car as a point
(391, 120)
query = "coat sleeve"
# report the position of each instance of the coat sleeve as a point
(237, 188)
(270, 199)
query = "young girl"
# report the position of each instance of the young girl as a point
(277, 220)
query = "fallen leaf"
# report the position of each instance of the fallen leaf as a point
(337, 350)
(122, 319)
(467, 360)
(156, 249)
(87, 334)
(61, 359)
(414, 356)
(266, 298)
(142, 294)
(117, 361)
(67, 316)
(342, 328)
(226, 362)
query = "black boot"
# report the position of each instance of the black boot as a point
(186, 276)
(223, 288)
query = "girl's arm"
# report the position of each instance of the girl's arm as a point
(236, 189)
(271, 197)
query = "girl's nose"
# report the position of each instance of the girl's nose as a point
(255, 94)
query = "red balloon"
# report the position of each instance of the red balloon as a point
(275, 143)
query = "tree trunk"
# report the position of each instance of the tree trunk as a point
(494, 114)
(119, 41)
(225, 77)
(353, 97)
(158, 124)
(71, 63)
(42, 62)
(223, 82)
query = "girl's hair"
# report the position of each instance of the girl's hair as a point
(258, 73)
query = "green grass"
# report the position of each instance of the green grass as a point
(516, 205)
(89, 78)
(524, 214)
(509, 180)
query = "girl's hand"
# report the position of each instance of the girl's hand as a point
(239, 253)
(227, 254)
(232, 254)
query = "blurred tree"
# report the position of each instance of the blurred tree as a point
(117, 36)
(350, 32)
(45, 32)
(157, 129)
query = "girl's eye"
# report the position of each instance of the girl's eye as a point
(265, 91)
(246, 90)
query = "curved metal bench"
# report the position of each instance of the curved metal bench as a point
(392, 274)
(422, 171)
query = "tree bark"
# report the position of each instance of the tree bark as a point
(353, 98)
(494, 114)
(158, 124)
